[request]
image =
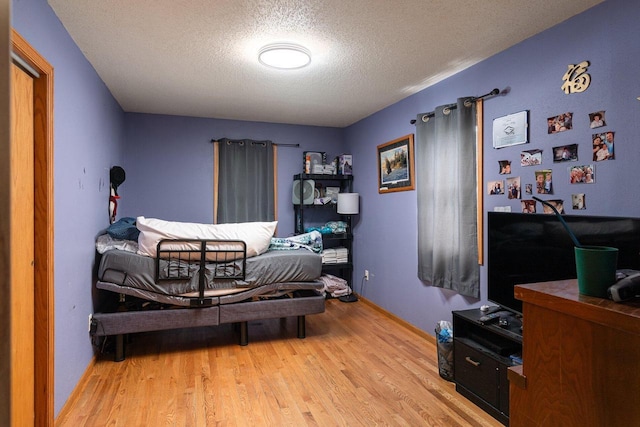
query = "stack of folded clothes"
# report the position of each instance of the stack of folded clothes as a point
(335, 255)
(335, 286)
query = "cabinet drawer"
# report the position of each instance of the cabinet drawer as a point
(477, 372)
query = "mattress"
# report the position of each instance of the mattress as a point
(130, 272)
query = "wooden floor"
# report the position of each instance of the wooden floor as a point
(357, 367)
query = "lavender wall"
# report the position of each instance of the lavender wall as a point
(608, 37)
(169, 163)
(88, 137)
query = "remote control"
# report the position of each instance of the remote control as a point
(492, 316)
(493, 309)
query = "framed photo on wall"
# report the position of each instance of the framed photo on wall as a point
(395, 165)
(510, 130)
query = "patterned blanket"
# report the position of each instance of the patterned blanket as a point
(311, 241)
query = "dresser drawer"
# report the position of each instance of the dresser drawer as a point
(477, 372)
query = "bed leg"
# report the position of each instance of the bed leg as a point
(302, 332)
(244, 333)
(119, 356)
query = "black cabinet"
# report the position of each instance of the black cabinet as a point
(482, 354)
(316, 215)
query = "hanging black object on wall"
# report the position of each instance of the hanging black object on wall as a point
(117, 177)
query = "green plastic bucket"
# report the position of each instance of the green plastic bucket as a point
(596, 269)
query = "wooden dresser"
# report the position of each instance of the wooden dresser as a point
(581, 359)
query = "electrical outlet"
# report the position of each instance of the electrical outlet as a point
(366, 275)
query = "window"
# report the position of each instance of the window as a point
(244, 181)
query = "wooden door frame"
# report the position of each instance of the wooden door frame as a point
(43, 227)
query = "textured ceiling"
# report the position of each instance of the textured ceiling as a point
(199, 57)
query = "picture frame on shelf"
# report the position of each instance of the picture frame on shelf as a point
(345, 164)
(396, 165)
(333, 193)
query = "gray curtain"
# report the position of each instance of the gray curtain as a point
(245, 181)
(446, 174)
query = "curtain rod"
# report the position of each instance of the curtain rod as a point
(471, 99)
(277, 145)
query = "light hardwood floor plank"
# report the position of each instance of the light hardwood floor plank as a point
(358, 366)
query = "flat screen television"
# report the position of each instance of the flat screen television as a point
(529, 248)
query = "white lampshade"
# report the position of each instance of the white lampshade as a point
(348, 203)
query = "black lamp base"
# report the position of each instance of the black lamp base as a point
(349, 298)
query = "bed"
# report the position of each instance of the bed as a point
(169, 282)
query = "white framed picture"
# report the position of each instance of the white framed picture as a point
(510, 130)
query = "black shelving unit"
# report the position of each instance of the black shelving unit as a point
(328, 212)
(482, 355)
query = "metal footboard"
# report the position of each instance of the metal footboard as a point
(181, 259)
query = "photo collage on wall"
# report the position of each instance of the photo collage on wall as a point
(540, 181)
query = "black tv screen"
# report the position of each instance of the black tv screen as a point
(529, 248)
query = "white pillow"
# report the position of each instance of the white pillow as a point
(257, 235)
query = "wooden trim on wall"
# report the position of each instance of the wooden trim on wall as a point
(216, 174)
(398, 320)
(44, 229)
(479, 178)
(74, 399)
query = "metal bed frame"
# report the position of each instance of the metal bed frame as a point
(239, 308)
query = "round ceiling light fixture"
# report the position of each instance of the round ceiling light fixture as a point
(284, 56)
